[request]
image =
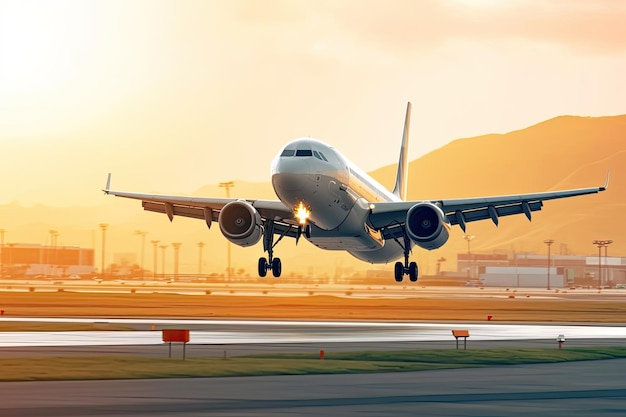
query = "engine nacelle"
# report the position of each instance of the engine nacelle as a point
(427, 226)
(240, 223)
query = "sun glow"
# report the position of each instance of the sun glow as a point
(302, 213)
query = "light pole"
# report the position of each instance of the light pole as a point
(11, 245)
(176, 246)
(163, 247)
(51, 251)
(606, 259)
(469, 239)
(104, 227)
(200, 246)
(1, 254)
(143, 245)
(155, 244)
(227, 186)
(601, 244)
(548, 242)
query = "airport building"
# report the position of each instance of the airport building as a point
(18, 260)
(531, 270)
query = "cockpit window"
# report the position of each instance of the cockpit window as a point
(288, 152)
(323, 157)
(304, 152)
(317, 155)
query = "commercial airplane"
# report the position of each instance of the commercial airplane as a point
(336, 206)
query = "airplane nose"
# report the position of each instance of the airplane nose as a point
(288, 172)
(286, 182)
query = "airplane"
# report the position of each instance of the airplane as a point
(329, 201)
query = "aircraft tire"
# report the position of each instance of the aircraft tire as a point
(398, 271)
(277, 267)
(413, 272)
(262, 267)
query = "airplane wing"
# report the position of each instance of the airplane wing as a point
(390, 217)
(208, 209)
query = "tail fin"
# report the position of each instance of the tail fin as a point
(403, 163)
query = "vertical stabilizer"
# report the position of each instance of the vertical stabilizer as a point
(403, 164)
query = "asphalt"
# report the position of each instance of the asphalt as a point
(594, 388)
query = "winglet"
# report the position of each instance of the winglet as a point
(606, 184)
(108, 186)
(403, 164)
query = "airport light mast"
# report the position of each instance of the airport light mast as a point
(606, 259)
(155, 246)
(104, 227)
(176, 246)
(469, 239)
(548, 242)
(2, 231)
(200, 246)
(601, 244)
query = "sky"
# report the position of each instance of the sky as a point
(172, 95)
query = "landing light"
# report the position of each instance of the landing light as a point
(302, 213)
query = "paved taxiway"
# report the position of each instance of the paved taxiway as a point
(595, 388)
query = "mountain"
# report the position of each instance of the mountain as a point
(561, 153)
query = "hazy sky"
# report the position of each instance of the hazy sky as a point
(173, 95)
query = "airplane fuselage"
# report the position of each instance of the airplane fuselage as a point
(337, 194)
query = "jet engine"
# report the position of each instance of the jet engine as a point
(427, 226)
(240, 223)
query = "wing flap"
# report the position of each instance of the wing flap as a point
(501, 211)
(178, 210)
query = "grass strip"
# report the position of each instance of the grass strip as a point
(138, 367)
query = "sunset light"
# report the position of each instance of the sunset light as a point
(174, 97)
(161, 162)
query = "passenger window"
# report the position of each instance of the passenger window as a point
(287, 152)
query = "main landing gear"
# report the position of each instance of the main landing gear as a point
(268, 245)
(410, 269)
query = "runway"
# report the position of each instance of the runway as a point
(568, 389)
(595, 388)
(241, 332)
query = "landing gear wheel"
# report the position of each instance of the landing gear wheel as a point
(413, 272)
(399, 271)
(307, 231)
(262, 267)
(277, 267)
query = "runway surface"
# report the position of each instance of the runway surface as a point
(224, 332)
(596, 388)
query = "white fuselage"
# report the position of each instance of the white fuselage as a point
(338, 195)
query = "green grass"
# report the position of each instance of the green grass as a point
(133, 367)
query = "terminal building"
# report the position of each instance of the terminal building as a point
(17, 260)
(531, 270)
